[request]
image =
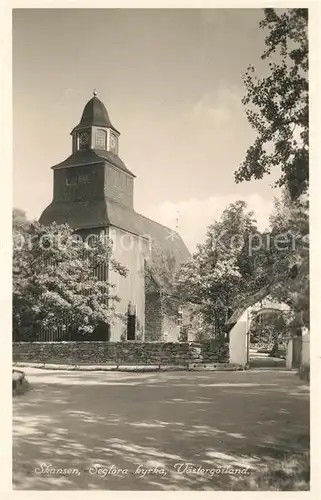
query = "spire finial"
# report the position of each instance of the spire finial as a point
(95, 92)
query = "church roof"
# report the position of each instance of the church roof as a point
(106, 212)
(91, 156)
(95, 113)
(168, 250)
(78, 215)
(165, 243)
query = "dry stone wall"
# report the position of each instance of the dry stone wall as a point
(121, 353)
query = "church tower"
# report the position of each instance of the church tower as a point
(93, 193)
(92, 175)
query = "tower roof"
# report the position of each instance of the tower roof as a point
(95, 113)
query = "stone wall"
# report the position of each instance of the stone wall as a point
(121, 353)
(153, 317)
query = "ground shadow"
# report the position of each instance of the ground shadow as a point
(111, 428)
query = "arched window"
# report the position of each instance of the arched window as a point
(101, 139)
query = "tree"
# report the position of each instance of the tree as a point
(219, 273)
(19, 218)
(277, 106)
(282, 258)
(237, 262)
(56, 280)
(290, 221)
(270, 328)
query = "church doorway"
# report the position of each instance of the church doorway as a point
(131, 322)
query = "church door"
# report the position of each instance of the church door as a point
(131, 322)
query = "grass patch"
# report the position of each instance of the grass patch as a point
(291, 474)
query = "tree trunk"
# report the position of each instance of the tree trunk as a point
(275, 349)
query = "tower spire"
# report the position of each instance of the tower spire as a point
(94, 115)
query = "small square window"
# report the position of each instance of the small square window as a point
(71, 180)
(83, 178)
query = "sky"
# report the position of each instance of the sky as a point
(171, 80)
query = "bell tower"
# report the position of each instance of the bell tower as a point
(95, 130)
(93, 175)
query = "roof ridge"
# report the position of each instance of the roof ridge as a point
(75, 154)
(159, 224)
(122, 167)
(100, 157)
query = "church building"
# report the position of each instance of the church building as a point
(94, 193)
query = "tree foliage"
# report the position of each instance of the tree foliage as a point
(271, 328)
(236, 262)
(277, 106)
(19, 218)
(218, 274)
(56, 279)
(289, 262)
